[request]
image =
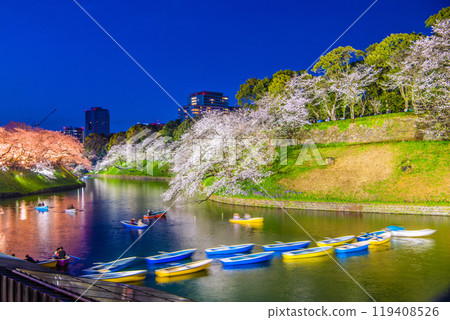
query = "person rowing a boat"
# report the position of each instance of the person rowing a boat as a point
(247, 216)
(236, 216)
(140, 223)
(62, 254)
(149, 212)
(70, 206)
(56, 253)
(133, 221)
(30, 259)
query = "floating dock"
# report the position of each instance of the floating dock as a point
(23, 281)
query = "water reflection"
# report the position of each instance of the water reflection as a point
(405, 270)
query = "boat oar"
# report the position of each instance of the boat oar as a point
(74, 257)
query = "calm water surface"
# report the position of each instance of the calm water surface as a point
(407, 270)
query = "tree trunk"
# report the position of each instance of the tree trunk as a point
(405, 98)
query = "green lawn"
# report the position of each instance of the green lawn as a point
(21, 182)
(364, 173)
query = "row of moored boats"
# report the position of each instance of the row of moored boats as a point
(238, 255)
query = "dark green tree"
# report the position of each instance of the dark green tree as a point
(252, 90)
(182, 129)
(441, 15)
(96, 145)
(116, 138)
(170, 128)
(337, 61)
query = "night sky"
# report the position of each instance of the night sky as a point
(54, 56)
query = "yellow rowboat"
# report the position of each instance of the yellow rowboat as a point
(183, 277)
(123, 276)
(50, 263)
(334, 242)
(308, 253)
(248, 221)
(380, 239)
(186, 268)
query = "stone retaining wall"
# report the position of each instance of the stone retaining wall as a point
(396, 129)
(338, 207)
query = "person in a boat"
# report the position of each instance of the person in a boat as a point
(150, 212)
(236, 216)
(56, 253)
(70, 206)
(140, 223)
(133, 221)
(30, 259)
(247, 216)
(61, 253)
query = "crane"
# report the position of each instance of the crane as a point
(40, 122)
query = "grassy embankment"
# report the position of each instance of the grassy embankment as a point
(22, 182)
(369, 122)
(364, 173)
(158, 171)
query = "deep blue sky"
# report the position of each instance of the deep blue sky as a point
(53, 56)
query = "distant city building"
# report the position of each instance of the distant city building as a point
(204, 101)
(154, 124)
(97, 121)
(76, 132)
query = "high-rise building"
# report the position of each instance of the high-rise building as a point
(97, 121)
(204, 101)
(76, 132)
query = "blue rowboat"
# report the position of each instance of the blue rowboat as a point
(335, 241)
(394, 228)
(239, 248)
(247, 259)
(128, 224)
(286, 246)
(370, 235)
(42, 208)
(112, 265)
(170, 256)
(352, 247)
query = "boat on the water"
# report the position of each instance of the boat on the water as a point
(71, 211)
(63, 262)
(170, 256)
(183, 269)
(335, 241)
(369, 235)
(128, 224)
(184, 277)
(52, 263)
(49, 263)
(308, 253)
(122, 276)
(413, 233)
(352, 247)
(112, 265)
(286, 246)
(247, 259)
(248, 221)
(42, 208)
(222, 250)
(394, 228)
(155, 215)
(380, 239)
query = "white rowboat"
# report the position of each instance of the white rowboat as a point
(413, 233)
